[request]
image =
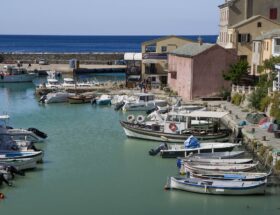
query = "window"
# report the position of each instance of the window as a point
(244, 38)
(277, 42)
(259, 24)
(173, 75)
(163, 49)
(273, 13)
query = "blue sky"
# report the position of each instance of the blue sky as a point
(110, 17)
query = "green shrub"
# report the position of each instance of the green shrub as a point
(262, 150)
(236, 99)
(264, 103)
(277, 165)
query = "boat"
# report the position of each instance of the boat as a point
(217, 155)
(217, 161)
(30, 134)
(80, 99)
(20, 164)
(143, 102)
(174, 150)
(243, 176)
(102, 100)
(8, 155)
(201, 168)
(177, 130)
(68, 83)
(56, 97)
(216, 187)
(15, 75)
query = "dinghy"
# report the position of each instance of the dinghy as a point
(217, 161)
(217, 187)
(243, 176)
(217, 155)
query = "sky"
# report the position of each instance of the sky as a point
(110, 17)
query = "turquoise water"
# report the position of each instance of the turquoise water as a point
(90, 167)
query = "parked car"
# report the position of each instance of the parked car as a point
(43, 62)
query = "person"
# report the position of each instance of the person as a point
(141, 85)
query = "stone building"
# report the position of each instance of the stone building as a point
(196, 70)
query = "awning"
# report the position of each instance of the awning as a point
(133, 56)
(207, 114)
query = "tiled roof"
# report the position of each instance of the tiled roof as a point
(165, 38)
(190, 50)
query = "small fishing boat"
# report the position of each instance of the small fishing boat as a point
(80, 99)
(217, 161)
(217, 187)
(217, 155)
(178, 129)
(243, 176)
(200, 167)
(102, 100)
(174, 151)
(15, 75)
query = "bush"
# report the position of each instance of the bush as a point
(264, 103)
(262, 150)
(277, 165)
(236, 99)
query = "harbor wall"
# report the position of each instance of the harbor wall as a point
(62, 58)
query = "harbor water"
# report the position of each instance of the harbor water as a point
(91, 167)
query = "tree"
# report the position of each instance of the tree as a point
(236, 72)
(269, 64)
(275, 107)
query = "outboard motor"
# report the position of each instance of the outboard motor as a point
(155, 151)
(14, 171)
(38, 132)
(93, 101)
(3, 179)
(119, 105)
(43, 98)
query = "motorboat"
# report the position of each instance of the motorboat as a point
(102, 100)
(143, 102)
(20, 164)
(68, 83)
(177, 130)
(56, 97)
(30, 134)
(217, 161)
(53, 74)
(14, 75)
(12, 155)
(217, 187)
(51, 83)
(216, 155)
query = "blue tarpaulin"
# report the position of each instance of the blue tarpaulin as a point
(191, 142)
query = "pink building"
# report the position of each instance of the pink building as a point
(196, 70)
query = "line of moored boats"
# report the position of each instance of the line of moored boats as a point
(17, 150)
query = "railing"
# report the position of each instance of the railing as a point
(242, 89)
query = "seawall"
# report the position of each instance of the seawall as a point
(63, 58)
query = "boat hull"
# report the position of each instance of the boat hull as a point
(103, 102)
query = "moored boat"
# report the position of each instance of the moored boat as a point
(243, 176)
(80, 99)
(20, 164)
(217, 187)
(15, 75)
(102, 100)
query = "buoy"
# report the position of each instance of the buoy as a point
(2, 196)
(173, 127)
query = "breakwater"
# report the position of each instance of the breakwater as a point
(62, 58)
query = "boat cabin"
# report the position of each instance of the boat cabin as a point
(52, 83)
(68, 82)
(180, 122)
(145, 97)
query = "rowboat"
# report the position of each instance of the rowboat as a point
(217, 161)
(243, 176)
(220, 167)
(216, 187)
(217, 155)
(6, 155)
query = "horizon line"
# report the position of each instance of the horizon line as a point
(105, 35)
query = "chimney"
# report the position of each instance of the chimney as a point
(199, 40)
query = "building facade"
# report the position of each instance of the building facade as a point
(237, 13)
(264, 47)
(154, 58)
(196, 70)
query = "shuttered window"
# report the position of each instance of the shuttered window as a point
(273, 13)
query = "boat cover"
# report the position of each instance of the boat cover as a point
(191, 142)
(233, 176)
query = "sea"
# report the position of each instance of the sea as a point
(80, 44)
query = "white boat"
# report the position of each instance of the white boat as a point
(218, 161)
(57, 97)
(217, 187)
(200, 167)
(8, 155)
(143, 102)
(20, 164)
(51, 83)
(14, 75)
(102, 100)
(68, 83)
(30, 134)
(53, 74)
